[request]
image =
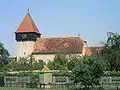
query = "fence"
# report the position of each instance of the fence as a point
(58, 82)
(61, 80)
(16, 81)
(110, 81)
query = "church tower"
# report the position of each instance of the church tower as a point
(26, 35)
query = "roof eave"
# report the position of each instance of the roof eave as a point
(36, 53)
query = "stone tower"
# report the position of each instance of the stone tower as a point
(26, 35)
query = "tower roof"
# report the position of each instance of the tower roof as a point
(27, 25)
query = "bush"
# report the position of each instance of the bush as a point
(23, 74)
(63, 73)
(112, 73)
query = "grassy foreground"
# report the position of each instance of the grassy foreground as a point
(16, 88)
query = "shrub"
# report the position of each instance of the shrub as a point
(22, 74)
(112, 73)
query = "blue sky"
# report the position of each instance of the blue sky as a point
(55, 18)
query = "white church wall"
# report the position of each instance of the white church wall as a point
(45, 57)
(24, 48)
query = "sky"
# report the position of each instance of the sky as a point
(92, 19)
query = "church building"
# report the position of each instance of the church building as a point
(29, 41)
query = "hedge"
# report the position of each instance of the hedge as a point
(32, 75)
(60, 73)
(112, 73)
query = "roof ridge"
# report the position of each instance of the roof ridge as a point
(60, 37)
(32, 21)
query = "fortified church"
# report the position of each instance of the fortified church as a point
(29, 41)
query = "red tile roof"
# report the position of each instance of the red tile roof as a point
(52, 45)
(27, 25)
(93, 50)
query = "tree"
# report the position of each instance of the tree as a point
(20, 65)
(111, 51)
(63, 61)
(11, 66)
(51, 65)
(72, 61)
(26, 64)
(59, 63)
(23, 64)
(3, 55)
(38, 65)
(88, 70)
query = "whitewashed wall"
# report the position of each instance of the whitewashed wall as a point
(24, 48)
(45, 57)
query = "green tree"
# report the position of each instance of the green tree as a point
(88, 70)
(3, 55)
(23, 64)
(26, 64)
(51, 65)
(72, 61)
(59, 63)
(111, 51)
(11, 66)
(31, 63)
(38, 65)
(63, 61)
(71, 64)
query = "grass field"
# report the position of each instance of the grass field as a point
(13, 88)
